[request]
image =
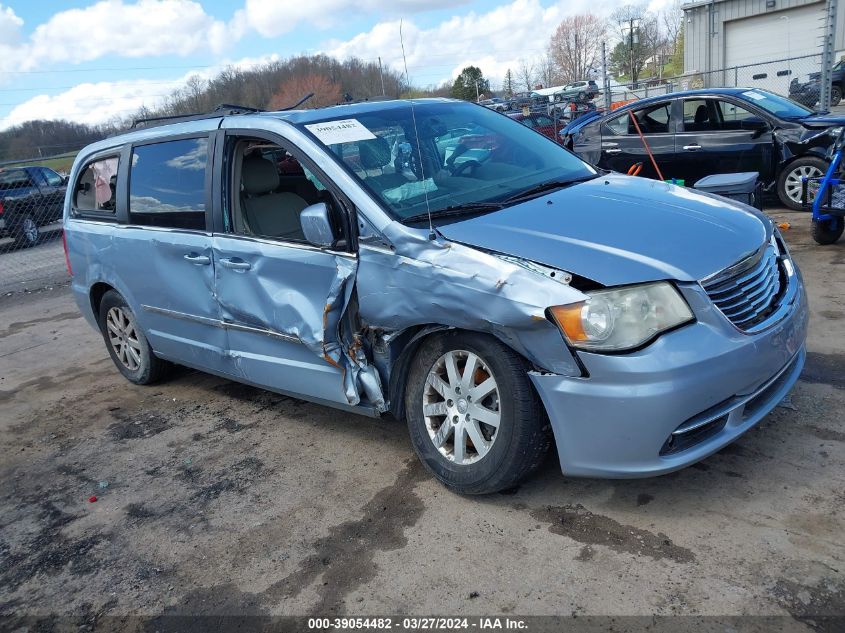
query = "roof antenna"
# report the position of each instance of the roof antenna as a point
(431, 234)
(298, 103)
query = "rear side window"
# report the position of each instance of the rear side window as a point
(14, 179)
(167, 184)
(95, 189)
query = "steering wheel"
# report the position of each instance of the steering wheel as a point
(466, 165)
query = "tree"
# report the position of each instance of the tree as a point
(326, 92)
(575, 46)
(641, 42)
(525, 75)
(470, 84)
(507, 87)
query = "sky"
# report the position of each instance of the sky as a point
(89, 61)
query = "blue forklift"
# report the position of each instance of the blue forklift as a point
(827, 196)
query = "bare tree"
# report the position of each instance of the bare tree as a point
(575, 46)
(547, 71)
(525, 75)
(326, 92)
(673, 22)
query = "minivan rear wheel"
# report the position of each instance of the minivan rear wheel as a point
(473, 416)
(126, 343)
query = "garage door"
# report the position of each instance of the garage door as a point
(777, 35)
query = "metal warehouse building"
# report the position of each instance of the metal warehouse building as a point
(733, 34)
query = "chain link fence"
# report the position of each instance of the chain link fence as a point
(793, 77)
(31, 203)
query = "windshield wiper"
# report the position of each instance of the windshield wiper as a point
(457, 210)
(549, 185)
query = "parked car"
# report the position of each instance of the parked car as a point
(808, 92)
(490, 303)
(30, 197)
(542, 123)
(577, 91)
(697, 133)
(531, 100)
(495, 103)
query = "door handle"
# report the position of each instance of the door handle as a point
(692, 148)
(612, 150)
(235, 263)
(199, 260)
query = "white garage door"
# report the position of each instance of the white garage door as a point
(773, 36)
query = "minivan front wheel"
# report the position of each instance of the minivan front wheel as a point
(473, 417)
(126, 343)
(790, 181)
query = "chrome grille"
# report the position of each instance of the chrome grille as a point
(748, 292)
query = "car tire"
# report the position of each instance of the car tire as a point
(828, 231)
(126, 343)
(789, 180)
(511, 428)
(835, 95)
(26, 232)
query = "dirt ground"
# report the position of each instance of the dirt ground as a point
(218, 498)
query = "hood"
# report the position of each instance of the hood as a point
(823, 120)
(621, 230)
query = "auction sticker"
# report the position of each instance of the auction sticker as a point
(345, 131)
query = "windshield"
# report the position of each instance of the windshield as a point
(457, 154)
(777, 105)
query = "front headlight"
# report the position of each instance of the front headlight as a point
(619, 319)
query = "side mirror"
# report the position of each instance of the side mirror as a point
(316, 225)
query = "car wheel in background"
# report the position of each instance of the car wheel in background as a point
(828, 231)
(835, 95)
(26, 232)
(473, 416)
(789, 184)
(126, 343)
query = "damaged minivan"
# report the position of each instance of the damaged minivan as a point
(438, 262)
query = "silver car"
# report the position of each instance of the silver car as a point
(436, 261)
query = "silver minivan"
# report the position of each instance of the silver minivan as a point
(436, 261)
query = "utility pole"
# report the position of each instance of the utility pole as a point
(477, 94)
(828, 45)
(381, 73)
(608, 98)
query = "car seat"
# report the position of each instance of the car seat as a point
(265, 211)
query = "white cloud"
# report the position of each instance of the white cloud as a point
(92, 102)
(494, 41)
(103, 101)
(145, 28)
(274, 17)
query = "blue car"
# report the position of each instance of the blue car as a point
(696, 133)
(487, 287)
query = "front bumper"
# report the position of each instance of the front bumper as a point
(680, 399)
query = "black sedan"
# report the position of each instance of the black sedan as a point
(697, 133)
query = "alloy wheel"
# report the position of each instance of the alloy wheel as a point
(461, 407)
(123, 338)
(30, 230)
(794, 181)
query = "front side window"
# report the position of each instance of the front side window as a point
(53, 179)
(167, 184)
(441, 156)
(96, 186)
(270, 188)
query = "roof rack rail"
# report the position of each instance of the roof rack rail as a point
(224, 109)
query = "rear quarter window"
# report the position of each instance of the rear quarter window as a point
(95, 188)
(167, 184)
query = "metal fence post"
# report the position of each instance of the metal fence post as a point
(828, 45)
(608, 98)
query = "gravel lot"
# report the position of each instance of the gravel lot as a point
(218, 498)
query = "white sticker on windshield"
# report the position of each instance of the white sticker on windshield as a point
(346, 131)
(753, 95)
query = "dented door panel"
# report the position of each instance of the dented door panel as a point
(276, 309)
